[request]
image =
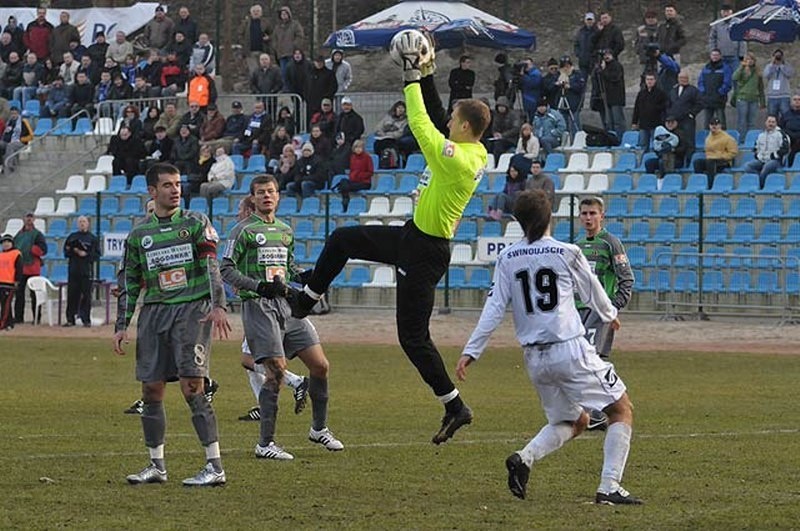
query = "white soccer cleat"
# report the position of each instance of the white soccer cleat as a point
(326, 439)
(207, 477)
(150, 474)
(273, 451)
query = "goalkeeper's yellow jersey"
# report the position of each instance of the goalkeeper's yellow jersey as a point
(454, 171)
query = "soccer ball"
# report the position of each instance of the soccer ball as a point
(418, 40)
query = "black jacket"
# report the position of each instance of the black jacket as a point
(321, 83)
(687, 106)
(648, 111)
(613, 76)
(81, 266)
(609, 38)
(461, 82)
(351, 124)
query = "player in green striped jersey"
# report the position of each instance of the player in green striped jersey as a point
(171, 256)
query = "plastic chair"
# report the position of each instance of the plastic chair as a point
(601, 162)
(75, 185)
(43, 126)
(104, 126)
(598, 183)
(578, 162)
(104, 166)
(45, 206)
(620, 184)
(82, 127)
(378, 207)
(66, 207)
(46, 295)
(382, 278)
(415, 162)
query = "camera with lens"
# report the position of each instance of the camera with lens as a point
(651, 50)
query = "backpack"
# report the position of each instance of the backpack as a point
(389, 159)
(602, 139)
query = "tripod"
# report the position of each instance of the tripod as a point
(565, 108)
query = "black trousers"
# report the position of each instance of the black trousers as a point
(6, 299)
(19, 302)
(79, 298)
(420, 261)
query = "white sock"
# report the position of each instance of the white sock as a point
(212, 450)
(157, 452)
(615, 455)
(549, 439)
(314, 295)
(448, 397)
(259, 368)
(256, 381)
(291, 379)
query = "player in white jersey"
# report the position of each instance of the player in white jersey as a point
(538, 277)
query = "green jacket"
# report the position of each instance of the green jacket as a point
(748, 88)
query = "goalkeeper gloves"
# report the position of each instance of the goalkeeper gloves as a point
(272, 289)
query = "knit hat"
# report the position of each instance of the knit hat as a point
(6, 238)
(501, 100)
(308, 146)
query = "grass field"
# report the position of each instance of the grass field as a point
(715, 447)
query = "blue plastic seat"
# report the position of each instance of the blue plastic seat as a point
(774, 184)
(748, 184)
(712, 282)
(358, 277)
(774, 208)
(660, 280)
(617, 207)
(287, 206)
(723, 183)
(199, 204)
(770, 233)
(32, 108)
(687, 257)
(626, 163)
(620, 184)
(668, 207)
(716, 232)
(662, 256)
(700, 138)
(123, 225)
(238, 163)
(474, 208)
(637, 256)
(87, 206)
(768, 258)
(358, 205)
(739, 282)
(647, 156)
(138, 185)
(617, 229)
(408, 183)
(457, 278)
(63, 127)
(415, 162)
(664, 233)
(767, 283)
(746, 208)
(561, 232)
(690, 209)
(640, 232)
(57, 228)
(792, 234)
(554, 162)
(750, 139)
(672, 183)
(467, 231)
(743, 257)
(43, 125)
(58, 273)
(492, 229)
(480, 279)
(255, 164)
(109, 206)
(244, 185)
(82, 127)
(743, 233)
(108, 272)
(383, 185)
(642, 207)
(221, 206)
(647, 184)
(698, 182)
(131, 206)
(720, 208)
(689, 232)
(303, 229)
(117, 184)
(309, 207)
(686, 281)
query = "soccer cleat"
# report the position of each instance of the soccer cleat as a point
(598, 421)
(211, 390)
(253, 414)
(273, 451)
(135, 409)
(451, 422)
(518, 474)
(326, 439)
(300, 302)
(619, 497)
(207, 477)
(150, 474)
(301, 396)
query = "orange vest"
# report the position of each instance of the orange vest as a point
(8, 269)
(199, 91)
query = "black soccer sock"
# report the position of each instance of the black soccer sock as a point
(318, 391)
(154, 424)
(268, 406)
(455, 405)
(203, 419)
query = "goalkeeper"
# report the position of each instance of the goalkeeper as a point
(419, 250)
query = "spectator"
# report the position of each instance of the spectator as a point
(671, 146)
(32, 74)
(255, 35)
(140, 92)
(267, 79)
(12, 77)
(131, 120)
(325, 118)
(111, 67)
(771, 146)
(38, 35)
(646, 34)
(60, 38)
(76, 49)
(149, 69)
(16, 135)
(286, 166)
(17, 34)
(286, 119)
(203, 53)
(503, 130)
(684, 105)
(186, 24)
(584, 45)
(280, 137)
(151, 116)
(128, 70)
(82, 95)
(568, 92)
(612, 76)
(549, 89)
(541, 181)
(181, 48)
(202, 89)
(321, 84)
(119, 49)
(790, 124)
(339, 161)
(608, 36)
(88, 68)
(528, 145)
(10, 276)
(257, 132)
(49, 74)
(57, 104)
(719, 37)
(461, 81)
(777, 78)
(101, 93)
(7, 45)
(349, 123)
(82, 250)
(213, 126)
(721, 151)
(341, 69)
(235, 124)
(296, 78)
(119, 94)
(390, 128)
(158, 31)
(322, 144)
(221, 176)
(288, 38)
(360, 176)
(68, 69)
(662, 66)
(648, 111)
(32, 246)
(516, 177)
(530, 85)
(671, 35)
(173, 76)
(158, 150)
(193, 119)
(170, 120)
(98, 49)
(748, 94)
(127, 151)
(504, 84)
(309, 176)
(185, 155)
(714, 83)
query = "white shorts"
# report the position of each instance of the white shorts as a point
(570, 376)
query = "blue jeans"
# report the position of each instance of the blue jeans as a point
(762, 169)
(23, 94)
(307, 188)
(777, 107)
(746, 114)
(645, 138)
(616, 120)
(284, 62)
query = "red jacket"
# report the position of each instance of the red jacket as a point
(37, 39)
(361, 168)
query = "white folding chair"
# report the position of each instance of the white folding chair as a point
(577, 162)
(46, 295)
(378, 208)
(45, 206)
(66, 207)
(75, 185)
(104, 165)
(598, 183)
(602, 162)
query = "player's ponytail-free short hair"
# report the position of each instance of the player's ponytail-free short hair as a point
(161, 168)
(593, 201)
(476, 114)
(262, 179)
(533, 211)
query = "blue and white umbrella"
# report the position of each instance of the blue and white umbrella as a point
(452, 24)
(767, 22)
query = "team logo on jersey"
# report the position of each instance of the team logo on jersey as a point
(261, 239)
(147, 242)
(286, 239)
(199, 354)
(183, 234)
(172, 279)
(449, 149)
(211, 233)
(620, 259)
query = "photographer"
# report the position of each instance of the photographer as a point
(646, 34)
(608, 36)
(530, 84)
(714, 83)
(612, 76)
(777, 77)
(664, 67)
(568, 92)
(505, 84)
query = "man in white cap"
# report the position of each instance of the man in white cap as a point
(349, 123)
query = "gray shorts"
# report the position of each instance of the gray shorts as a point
(172, 342)
(598, 334)
(270, 331)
